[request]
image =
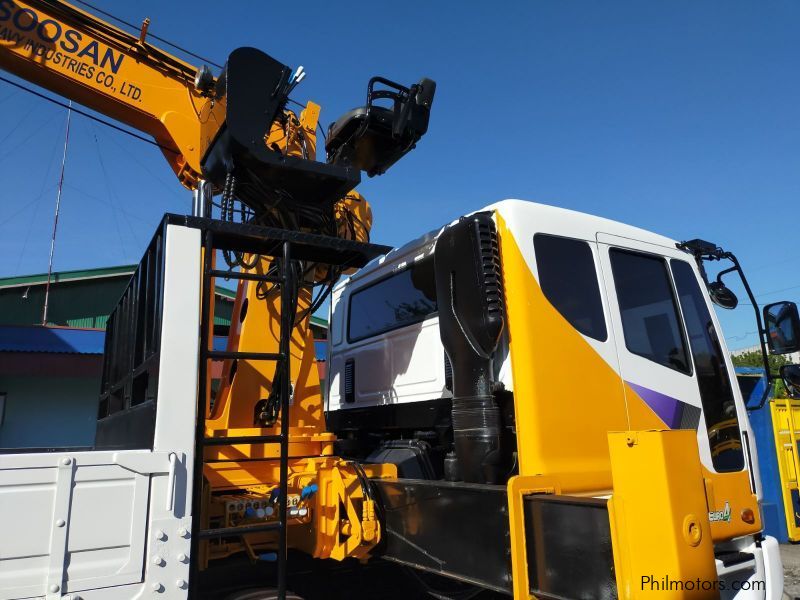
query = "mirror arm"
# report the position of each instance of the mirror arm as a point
(764, 396)
(726, 271)
(703, 251)
(761, 332)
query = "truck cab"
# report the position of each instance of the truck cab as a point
(606, 329)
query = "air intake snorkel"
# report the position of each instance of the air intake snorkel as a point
(471, 320)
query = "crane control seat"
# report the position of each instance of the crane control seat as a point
(250, 93)
(372, 138)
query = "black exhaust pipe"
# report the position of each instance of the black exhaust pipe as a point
(469, 295)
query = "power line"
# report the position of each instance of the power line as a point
(743, 336)
(786, 289)
(88, 115)
(152, 35)
(18, 125)
(170, 186)
(111, 197)
(35, 210)
(86, 194)
(13, 150)
(11, 95)
(24, 207)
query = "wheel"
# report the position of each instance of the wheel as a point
(260, 594)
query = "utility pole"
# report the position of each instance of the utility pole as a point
(55, 219)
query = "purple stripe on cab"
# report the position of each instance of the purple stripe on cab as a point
(668, 409)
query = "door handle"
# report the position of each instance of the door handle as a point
(173, 462)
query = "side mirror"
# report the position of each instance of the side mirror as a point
(783, 327)
(722, 296)
(790, 374)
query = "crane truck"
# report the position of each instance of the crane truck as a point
(639, 481)
(182, 476)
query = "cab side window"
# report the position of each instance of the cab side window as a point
(650, 318)
(568, 278)
(403, 298)
(713, 380)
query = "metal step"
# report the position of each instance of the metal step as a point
(225, 355)
(244, 275)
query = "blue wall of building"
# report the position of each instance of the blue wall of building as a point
(46, 412)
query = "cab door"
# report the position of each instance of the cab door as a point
(674, 365)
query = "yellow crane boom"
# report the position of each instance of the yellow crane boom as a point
(72, 53)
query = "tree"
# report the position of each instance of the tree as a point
(753, 358)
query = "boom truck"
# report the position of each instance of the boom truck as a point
(187, 469)
(465, 451)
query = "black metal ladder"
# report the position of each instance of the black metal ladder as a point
(288, 246)
(283, 373)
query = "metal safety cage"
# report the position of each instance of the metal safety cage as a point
(287, 246)
(129, 384)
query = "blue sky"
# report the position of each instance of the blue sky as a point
(681, 117)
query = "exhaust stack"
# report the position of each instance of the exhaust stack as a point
(469, 294)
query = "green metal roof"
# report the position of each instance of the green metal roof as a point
(104, 273)
(61, 276)
(82, 274)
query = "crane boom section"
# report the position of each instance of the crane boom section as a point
(72, 53)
